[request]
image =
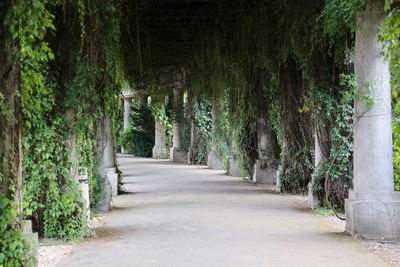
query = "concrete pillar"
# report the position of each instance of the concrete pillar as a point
(127, 111)
(214, 159)
(160, 148)
(109, 157)
(234, 169)
(194, 134)
(318, 158)
(84, 188)
(176, 152)
(266, 166)
(373, 208)
(106, 168)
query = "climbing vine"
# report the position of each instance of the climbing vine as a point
(138, 139)
(338, 111)
(390, 37)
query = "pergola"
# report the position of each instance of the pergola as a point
(172, 32)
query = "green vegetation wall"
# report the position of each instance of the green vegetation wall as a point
(138, 138)
(13, 248)
(59, 77)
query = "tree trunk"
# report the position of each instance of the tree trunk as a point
(296, 130)
(10, 115)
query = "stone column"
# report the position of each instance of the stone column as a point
(106, 168)
(176, 152)
(266, 166)
(234, 169)
(318, 158)
(214, 160)
(194, 134)
(109, 157)
(373, 208)
(160, 148)
(127, 111)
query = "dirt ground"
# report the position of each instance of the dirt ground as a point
(388, 250)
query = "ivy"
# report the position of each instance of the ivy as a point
(201, 144)
(55, 211)
(31, 21)
(339, 111)
(138, 139)
(13, 246)
(160, 111)
(390, 38)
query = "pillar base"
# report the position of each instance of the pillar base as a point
(265, 171)
(105, 198)
(373, 215)
(314, 203)
(177, 155)
(313, 200)
(214, 162)
(112, 176)
(33, 240)
(189, 156)
(234, 169)
(84, 187)
(278, 179)
(109, 188)
(160, 152)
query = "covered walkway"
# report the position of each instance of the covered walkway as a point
(180, 215)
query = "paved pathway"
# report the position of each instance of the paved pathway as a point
(179, 215)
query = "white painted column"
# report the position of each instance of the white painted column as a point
(176, 152)
(127, 111)
(178, 110)
(108, 152)
(373, 208)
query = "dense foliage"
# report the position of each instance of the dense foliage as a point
(66, 88)
(138, 139)
(338, 163)
(390, 36)
(13, 247)
(198, 131)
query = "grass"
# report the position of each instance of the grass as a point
(324, 211)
